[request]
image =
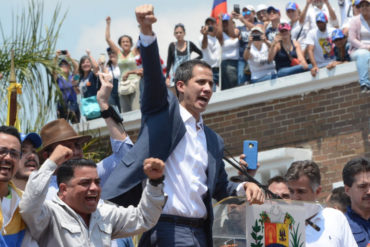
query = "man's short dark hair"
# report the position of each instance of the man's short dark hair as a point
(10, 130)
(276, 179)
(353, 167)
(305, 167)
(66, 171)
(339, 198)
(185, 71)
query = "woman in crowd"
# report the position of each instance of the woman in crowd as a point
(179, 52)
(287, 53)
(88, 70)
(229, 41)
(359, 37)
(130, 76)
(68, 82)
(257, 55)
(298, 32)
(113, 68)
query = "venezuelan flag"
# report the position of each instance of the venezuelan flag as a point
(219, 6)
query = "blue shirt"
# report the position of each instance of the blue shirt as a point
(346, 56)
(107, 165)
(359, 226)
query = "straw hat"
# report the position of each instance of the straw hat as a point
(60, 130)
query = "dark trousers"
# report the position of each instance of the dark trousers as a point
(172, 234)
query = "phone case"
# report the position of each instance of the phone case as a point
(250, 149)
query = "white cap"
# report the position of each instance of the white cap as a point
(260, 7)
(250, 7)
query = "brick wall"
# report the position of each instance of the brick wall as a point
(333, 123)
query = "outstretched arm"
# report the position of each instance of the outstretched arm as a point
(110, 42)
(35, 212)
(155, 91)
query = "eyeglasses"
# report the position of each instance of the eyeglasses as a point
(13, 153)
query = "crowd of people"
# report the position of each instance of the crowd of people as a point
(163, 184)
(262, 48)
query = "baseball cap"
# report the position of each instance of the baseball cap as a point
(63, 62)
(321, 17)
(249, 7)
(271, 8)
(261, 7)
(34, 138)
(360, 1)
(284, 26)
(257, 28)
(291, 6)
(225, 17)
(337, 34)
(210, 19)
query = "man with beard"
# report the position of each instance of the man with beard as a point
(29, 161)
(356, 179)
(13, 229)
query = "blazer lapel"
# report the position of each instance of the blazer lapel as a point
(211, 171)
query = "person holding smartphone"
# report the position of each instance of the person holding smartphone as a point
(67, 108)
(211, 48)
(256, 53)
(287, 53)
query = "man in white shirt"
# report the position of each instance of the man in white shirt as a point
(320, 47)
(211, 48)
(309, 13)
(173, 130)
(304, 181)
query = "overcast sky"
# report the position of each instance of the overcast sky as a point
(84, 25)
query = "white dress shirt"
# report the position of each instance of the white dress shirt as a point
(334, 230)
(185, 173)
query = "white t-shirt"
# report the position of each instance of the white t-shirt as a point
(116, 71)
(323, 46)
(258, 62)
(334, 230)
(230, 48)
(310, 21)
(212, 53)
(296, 29)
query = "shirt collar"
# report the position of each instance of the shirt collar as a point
(187, 117)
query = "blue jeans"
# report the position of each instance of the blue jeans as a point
(229, 74)
(216, 77)
(166, 234)
(292, 70)
(242, 77)
(362, 58)
(265, 78)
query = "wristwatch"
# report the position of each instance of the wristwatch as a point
(157, 181)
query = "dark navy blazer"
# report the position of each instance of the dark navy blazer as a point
(161, 130)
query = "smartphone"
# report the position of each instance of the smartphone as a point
(237, 8)
(63, 52)
(210, 28)
(256, 37)
(250, 150)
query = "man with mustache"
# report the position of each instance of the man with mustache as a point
(76, 217)
(29, 161)
(13, 229)
(356, 179)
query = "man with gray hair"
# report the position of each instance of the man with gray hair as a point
(304, 183)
